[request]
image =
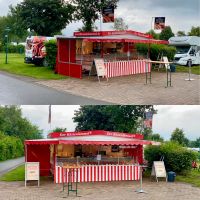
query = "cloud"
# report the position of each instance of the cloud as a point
(61, 116)
(183, 117)
(180, 14)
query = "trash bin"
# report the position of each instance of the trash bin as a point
(171, 176)
(173, 68)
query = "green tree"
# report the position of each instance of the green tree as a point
(13, 124)
(110, 118)
(120, 25)
(89, 11)
(154, 34)
(46, 17)
(195, 31)
(195, 143)
(166, 33)
(18, 30)
(156, 137)
(179, 136)
(181, 33)
(59, 129)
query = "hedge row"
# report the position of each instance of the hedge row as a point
(10, 147)
(176, 157)
(13, 48)
(156, 50)
(51, 49)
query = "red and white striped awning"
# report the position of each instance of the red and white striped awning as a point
(128, 36)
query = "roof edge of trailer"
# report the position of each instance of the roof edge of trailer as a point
(96, 132)
(112, 33)
(81, 142)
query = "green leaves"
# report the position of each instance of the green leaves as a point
(13, 124)
(179, 136)
(89, 11)
(111, 118)
(176, 157)
(51, 50)
(10, 147)
(46, 17)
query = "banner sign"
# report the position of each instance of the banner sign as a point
(149, 115)
(148, 123)
(108, 14)
(158, 170)
(159, 23)
(32, 172)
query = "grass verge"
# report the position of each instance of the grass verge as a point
(193, 178)
(194, 69)
(17, 66)
(17, 174)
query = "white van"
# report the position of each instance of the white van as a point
(188, 48)
(35, 51)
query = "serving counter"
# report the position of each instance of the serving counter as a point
(98, 173)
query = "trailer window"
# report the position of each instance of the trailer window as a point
(182, 49)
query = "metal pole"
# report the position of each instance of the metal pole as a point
(141, 189)
(6, 49)
(189, 71)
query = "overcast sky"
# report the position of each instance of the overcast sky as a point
(180, 14)
(167, 119)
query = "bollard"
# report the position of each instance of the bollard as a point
(189, 70)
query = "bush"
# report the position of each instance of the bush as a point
(176, 157)
(51, 50)
(13, 48)
(10, 147)
(155, 49)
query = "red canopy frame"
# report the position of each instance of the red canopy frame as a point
(66, 56)
(39, 150)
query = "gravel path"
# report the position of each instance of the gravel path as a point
(100, 191)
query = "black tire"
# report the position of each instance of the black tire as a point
(45, 63)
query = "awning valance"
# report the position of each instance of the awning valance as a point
(80, 142)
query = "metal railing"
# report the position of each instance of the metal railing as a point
(94, 161)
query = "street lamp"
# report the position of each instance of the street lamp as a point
(6, 36)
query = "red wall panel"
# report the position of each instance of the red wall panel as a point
(66, 59)
(41, 154)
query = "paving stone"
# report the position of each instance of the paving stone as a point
(132, 89)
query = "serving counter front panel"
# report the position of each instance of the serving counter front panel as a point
(98, 173)
(123, 68)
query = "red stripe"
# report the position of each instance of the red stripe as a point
(58, 174)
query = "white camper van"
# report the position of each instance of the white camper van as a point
(188, 48)
(35, 50)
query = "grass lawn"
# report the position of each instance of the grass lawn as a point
(192, 178)
(184, 69)
(17, 174)
(17, 66)
(195, 69)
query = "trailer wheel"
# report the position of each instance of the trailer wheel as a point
(44, 62)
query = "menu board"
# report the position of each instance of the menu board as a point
(32, 171)
(158, 170)
(100, 67)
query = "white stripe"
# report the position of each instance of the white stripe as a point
(60, 174)
(99, 166)
(122, 172)
(89, 175)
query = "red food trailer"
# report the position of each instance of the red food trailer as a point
(76, 54)
(101, 155)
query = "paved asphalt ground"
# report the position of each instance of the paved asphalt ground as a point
(14, 90)
(10, 164)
